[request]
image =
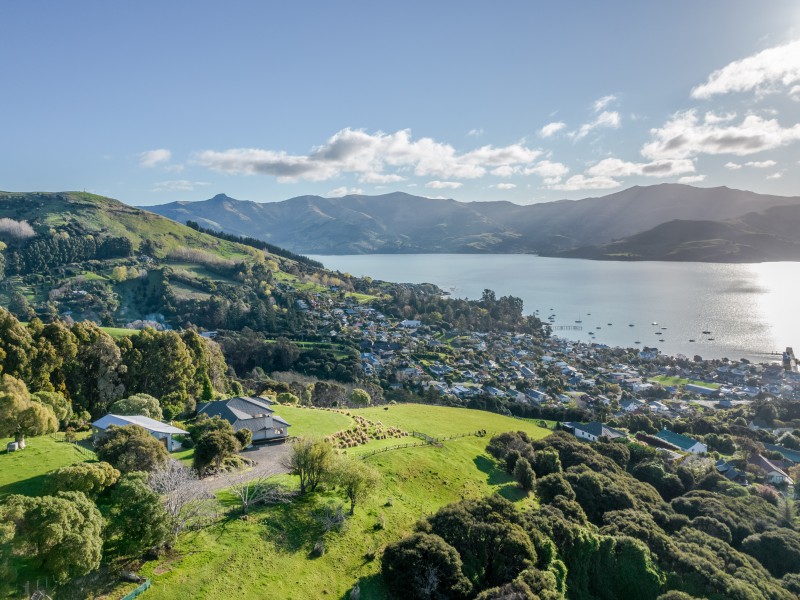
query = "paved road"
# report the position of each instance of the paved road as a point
(269, 460)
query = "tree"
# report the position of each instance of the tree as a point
(184, 497)
(131, 448)
(20, 415)
(138, 520)
(94, 377)
(524, 475)
(61, 535)
(360, 397)
(138, 404)
(260, 490)
(214, 447)
(287, 398)
(310, 459)
(89, 478)
(244, 436)
(778, 550)
(356, 478)
(423, 567)
(57, 402)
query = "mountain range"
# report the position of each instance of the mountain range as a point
(660, 222)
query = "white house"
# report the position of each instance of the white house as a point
(684, 442)
(161, 431)
(593, 431)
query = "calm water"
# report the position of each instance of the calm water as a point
(749, 309)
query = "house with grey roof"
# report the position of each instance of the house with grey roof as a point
(593, 431)
(683, 442)
(163, 432)
(247, 412)
(773, 473)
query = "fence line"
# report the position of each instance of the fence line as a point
(427, 441)
(60, 436)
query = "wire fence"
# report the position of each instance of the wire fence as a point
(60, 436)
(138, 591)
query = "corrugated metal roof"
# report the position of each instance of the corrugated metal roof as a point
(140, 420)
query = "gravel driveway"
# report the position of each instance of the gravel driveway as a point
(269, 460)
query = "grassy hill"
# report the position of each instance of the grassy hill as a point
(269, 555)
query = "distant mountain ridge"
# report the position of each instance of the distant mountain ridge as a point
(403, 223)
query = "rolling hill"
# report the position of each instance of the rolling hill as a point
(770, 235)
(402, 223)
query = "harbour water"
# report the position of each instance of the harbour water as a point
(749, 310)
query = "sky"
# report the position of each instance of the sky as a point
(525, 101)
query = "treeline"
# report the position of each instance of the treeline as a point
(40, 254)
(92, 370)
(614, 521)
(249, 350)
(489, 314)
(256, 243)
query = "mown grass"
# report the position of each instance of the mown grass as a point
(24, 472)
(120, 332)
(681, 381)
(444, 420)
(312, 421)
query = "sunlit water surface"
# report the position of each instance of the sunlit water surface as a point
(748, 308)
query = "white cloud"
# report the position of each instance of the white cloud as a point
(614, 167)
(552, 172)
(685, 135)
(602, 103)
(153, 158)
(608, 119)
(178, 185)
(475, 132)
(692, 179)
(369, 156)
(504, 186)
(760, 164)
(777, 175)
(344, 191)
(765, 72)
(733, 166)
(551, 129)
(581, 182)
(444, 185)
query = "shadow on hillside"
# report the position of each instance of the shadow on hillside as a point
(370, 586)
(496, 476)
(292, 526)
(32, 486)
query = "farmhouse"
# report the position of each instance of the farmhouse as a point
(683, 442)
(160, 431)
(246, 412)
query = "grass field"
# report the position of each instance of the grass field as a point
(680, 381)
(24, 472)
(120, 332)
(273, 547)
(439, 421)
(268, 556)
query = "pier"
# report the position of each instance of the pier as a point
(566, 327)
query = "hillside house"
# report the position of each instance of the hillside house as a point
(246, 412)
(684, 442)
(161, 431)
(592, 431)
(773, 473)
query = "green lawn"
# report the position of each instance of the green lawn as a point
(120, 332)
(679, 381)
(24, 472)
(443, 420)
(312, 421)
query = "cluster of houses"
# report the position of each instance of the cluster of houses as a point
(242, 412)
(675, 446)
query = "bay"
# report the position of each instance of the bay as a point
(750, 309)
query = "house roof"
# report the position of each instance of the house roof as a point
(683, 442)
(597, 429)
(253, 413)
(141, 421)
(788, 453)
(767, 465)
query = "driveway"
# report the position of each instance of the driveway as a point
(269, 459)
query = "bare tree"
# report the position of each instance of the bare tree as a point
(185, 499)
(260, 490)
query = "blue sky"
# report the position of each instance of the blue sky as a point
(525, 101)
